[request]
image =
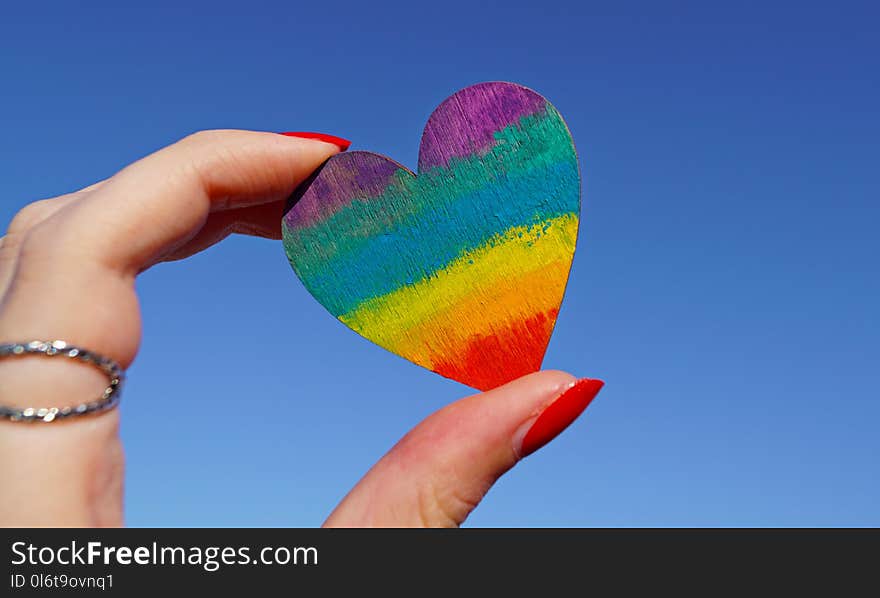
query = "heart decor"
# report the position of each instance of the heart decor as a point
(460, 268)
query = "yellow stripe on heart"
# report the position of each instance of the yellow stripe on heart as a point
(518, 274)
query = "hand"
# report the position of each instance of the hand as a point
(67, 270)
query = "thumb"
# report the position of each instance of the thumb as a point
(438, 473)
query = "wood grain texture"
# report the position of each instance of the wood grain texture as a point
(461, 268)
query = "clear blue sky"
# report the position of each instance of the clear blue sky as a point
(726, 284)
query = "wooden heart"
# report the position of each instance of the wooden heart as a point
(461, 268)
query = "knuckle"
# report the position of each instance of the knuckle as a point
(444, 506)
(207, 137)
(29, 216)
(199, 137)
(40, 250)
(205, 149)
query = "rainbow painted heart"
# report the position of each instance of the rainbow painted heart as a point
(461, 268)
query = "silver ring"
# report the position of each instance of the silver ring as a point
(108, 400)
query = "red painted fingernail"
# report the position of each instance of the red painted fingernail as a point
(560, 414)
(338, 141)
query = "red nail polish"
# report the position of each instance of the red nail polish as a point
(338, 141)
(560, 414)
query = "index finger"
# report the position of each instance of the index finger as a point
(158, 203)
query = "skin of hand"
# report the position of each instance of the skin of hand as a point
(67, 271)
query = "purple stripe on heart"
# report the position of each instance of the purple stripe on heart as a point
(465, 123)
(371, 176)
(463, 126)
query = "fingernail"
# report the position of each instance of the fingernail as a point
(343, 144)
(559, 414)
